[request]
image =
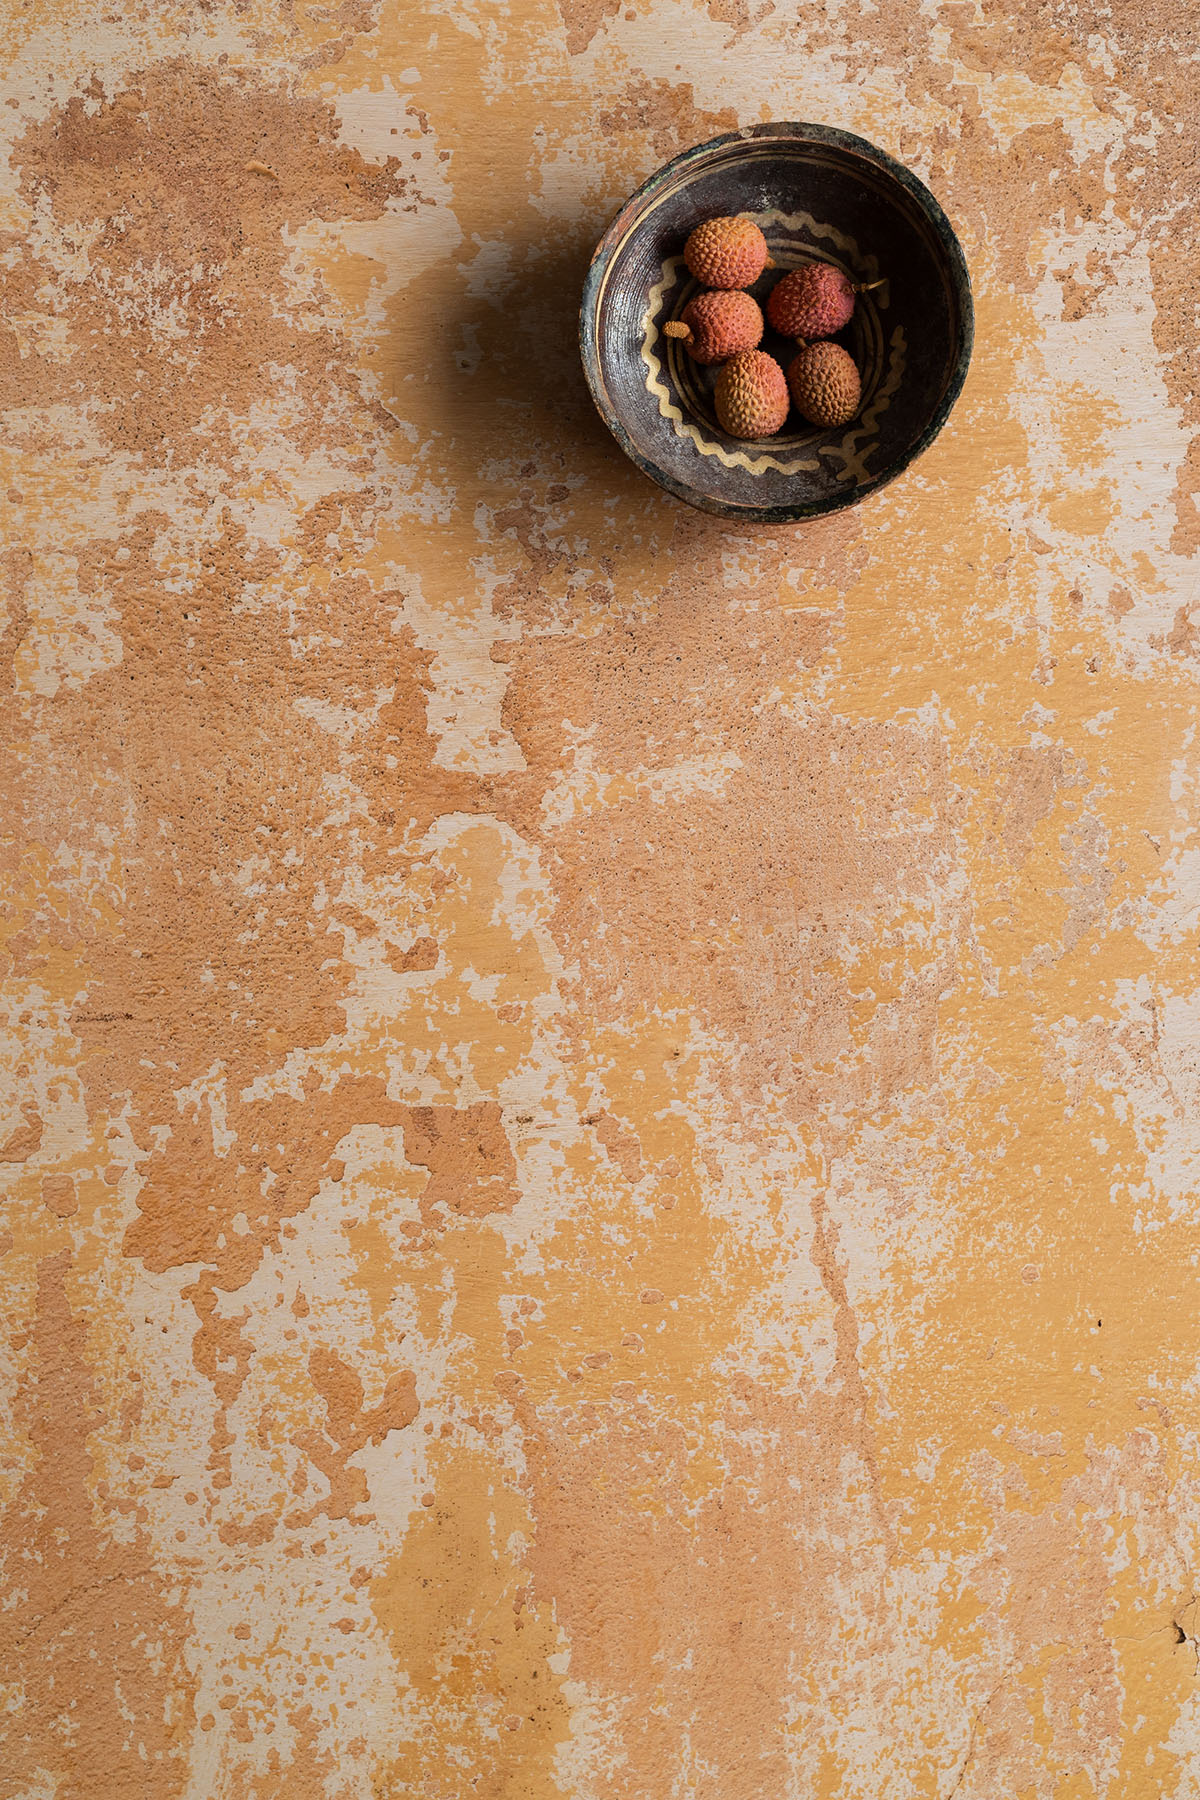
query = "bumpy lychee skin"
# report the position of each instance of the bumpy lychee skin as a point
(714, 327)
(751, 395)
(825, 384)
(812, 301)
(726, 253)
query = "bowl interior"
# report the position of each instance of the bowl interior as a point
(817, 193)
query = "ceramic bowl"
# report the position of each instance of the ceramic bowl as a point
(817, 193)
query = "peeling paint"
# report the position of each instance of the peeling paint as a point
(597, 1132)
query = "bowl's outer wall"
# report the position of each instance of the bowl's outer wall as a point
(843, 183)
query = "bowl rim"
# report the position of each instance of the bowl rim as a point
(960, 279)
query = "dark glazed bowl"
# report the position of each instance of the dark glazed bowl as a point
(817, 193)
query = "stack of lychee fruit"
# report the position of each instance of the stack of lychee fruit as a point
(725, 325)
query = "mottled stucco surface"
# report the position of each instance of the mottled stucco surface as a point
(600, 1112)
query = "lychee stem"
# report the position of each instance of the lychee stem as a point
(867, 287)
(677, 329)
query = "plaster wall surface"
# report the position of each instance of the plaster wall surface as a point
(599, 1112)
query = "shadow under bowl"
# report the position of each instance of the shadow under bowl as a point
(819, 194)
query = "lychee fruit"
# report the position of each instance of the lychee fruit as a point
(715, 326)
(726, 253)
(825, 384)
(812, 301)
(751, 395)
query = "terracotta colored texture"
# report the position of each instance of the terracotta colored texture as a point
(599, 1111)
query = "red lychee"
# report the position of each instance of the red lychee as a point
(751, 395)
(715, 326)
(726, 253)
(812, 301)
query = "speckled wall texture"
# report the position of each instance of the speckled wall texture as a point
(599, 1111)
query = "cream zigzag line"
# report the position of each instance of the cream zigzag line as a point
(854, 463)
(731, 458)
(667, 407)
(847, 244)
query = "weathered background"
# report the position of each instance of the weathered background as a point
(601, 1113)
